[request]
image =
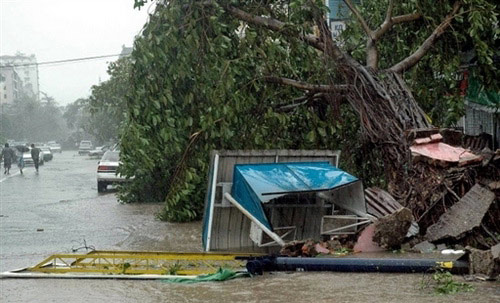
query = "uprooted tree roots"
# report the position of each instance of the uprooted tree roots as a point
(390, 120)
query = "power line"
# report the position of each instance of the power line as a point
(60, 61)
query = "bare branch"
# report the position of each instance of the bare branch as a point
(304, 100)
(414, 58)
(360, 18)
(274, 25)
(406, 18)
(388, 14)
(387, 25)
(306, 86)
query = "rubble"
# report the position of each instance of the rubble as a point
(424, 247)
(365, 241)
(380, 203)
(390, 231)
(485, 262)
(463, 216)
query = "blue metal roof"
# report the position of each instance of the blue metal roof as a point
(254, 184)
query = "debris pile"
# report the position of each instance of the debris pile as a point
(453, 192)
(450, 199)
(313, 248)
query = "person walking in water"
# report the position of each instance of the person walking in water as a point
(20, 162)
(8, 156)
(35, 155)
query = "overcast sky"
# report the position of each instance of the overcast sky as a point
(67, 29)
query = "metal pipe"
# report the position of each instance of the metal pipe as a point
(269, 232)
(260, 265)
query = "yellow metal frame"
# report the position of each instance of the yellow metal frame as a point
(139, 262)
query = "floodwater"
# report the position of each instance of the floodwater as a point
(59, 210)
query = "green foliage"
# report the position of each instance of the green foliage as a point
(78, 119)
(471, 41)
(442, 283)
(125, 266)
(107, 103)
(196, 85)
(173, 269)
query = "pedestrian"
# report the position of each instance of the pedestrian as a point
(35, 155)
(20, 162)
(8, 156)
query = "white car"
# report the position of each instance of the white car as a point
(98, 151)
(54, 147)
(28, 161)
(107, 170)
(84, 147)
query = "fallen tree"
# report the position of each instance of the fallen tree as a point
(214, 74)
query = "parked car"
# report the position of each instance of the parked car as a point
(46, 153)
(28, 161)
(54, 147)
(84, 147)
(107, 170)
(98, 151)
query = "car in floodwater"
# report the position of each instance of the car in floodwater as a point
(107, 170)
(54, 147)
(85, 147)
(98, 151)
(46, 153)
(28, 160)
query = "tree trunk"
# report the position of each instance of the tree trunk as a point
(387, 111)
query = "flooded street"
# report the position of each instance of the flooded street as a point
(59, 210)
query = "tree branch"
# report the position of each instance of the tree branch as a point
(414, 58)
(406, 18)
(388, 23)
(306, 86)
(360, 18)
(304, 100)
(274, 25)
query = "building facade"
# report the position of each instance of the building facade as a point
(10, 85)
(21, 76)
(339, 12)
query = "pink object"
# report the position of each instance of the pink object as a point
(422, 140)
(320, 249)
(365, 241)
(436, 138)
(444, 152)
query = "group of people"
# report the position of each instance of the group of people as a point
(9, 156)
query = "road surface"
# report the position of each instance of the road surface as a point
(59, 210)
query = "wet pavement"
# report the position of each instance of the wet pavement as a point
(58, 209)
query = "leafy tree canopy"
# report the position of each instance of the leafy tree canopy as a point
(232, 74)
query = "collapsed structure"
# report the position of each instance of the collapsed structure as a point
(257, 200)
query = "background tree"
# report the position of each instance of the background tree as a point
(267, 74)
(107, 104)
(32, 120)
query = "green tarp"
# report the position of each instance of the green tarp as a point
(477, 94)
(223, 274)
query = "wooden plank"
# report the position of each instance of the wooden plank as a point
(227, 170)
(299, 221)
(245, 240)
(214, 242)
(223, 231)
(234, 228)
